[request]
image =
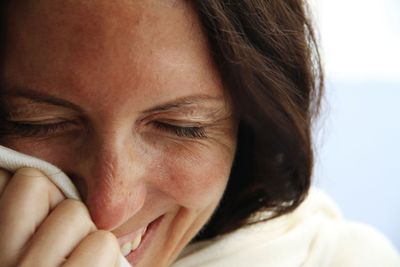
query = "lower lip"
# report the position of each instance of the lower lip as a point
(135, 256)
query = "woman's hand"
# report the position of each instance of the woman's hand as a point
(39, 227)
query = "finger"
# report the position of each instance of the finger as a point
(58, 235)
(26, 201)
(99, 249)
(4, 178)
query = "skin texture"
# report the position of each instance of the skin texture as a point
(119, 63)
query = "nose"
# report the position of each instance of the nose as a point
(114, 178)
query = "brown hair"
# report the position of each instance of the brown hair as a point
(268, 58)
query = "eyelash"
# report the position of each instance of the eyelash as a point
(193, 132)
(29, 130)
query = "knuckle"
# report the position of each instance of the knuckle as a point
(76, 212)
(30, 172)
(107, 239)
(33, 179)
(75, 208)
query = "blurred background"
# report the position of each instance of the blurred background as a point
(358, 137)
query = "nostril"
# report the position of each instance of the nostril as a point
(106, 213)
(110, 208)
(105, 218)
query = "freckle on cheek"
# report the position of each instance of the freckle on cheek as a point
(200, 190)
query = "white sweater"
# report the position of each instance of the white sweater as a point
(314, 235)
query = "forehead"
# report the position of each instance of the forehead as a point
(98, 18)
(104, 44)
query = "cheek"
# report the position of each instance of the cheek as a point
(195, 181)
(53, 151)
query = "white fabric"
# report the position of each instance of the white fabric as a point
(314, 235)
(12, 160)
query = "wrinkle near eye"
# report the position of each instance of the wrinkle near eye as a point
(190, 116)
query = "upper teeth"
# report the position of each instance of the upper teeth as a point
(132, 245)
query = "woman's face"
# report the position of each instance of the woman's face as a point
(124, 97)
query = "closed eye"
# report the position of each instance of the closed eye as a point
(194, 132)
(26, 129)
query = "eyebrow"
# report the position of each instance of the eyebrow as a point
(177, 103)
(183, 102)
(38, 97)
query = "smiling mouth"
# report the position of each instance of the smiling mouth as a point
(129, 246)
(132, 243)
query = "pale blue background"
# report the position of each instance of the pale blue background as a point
(358, 138)
(359, 153)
